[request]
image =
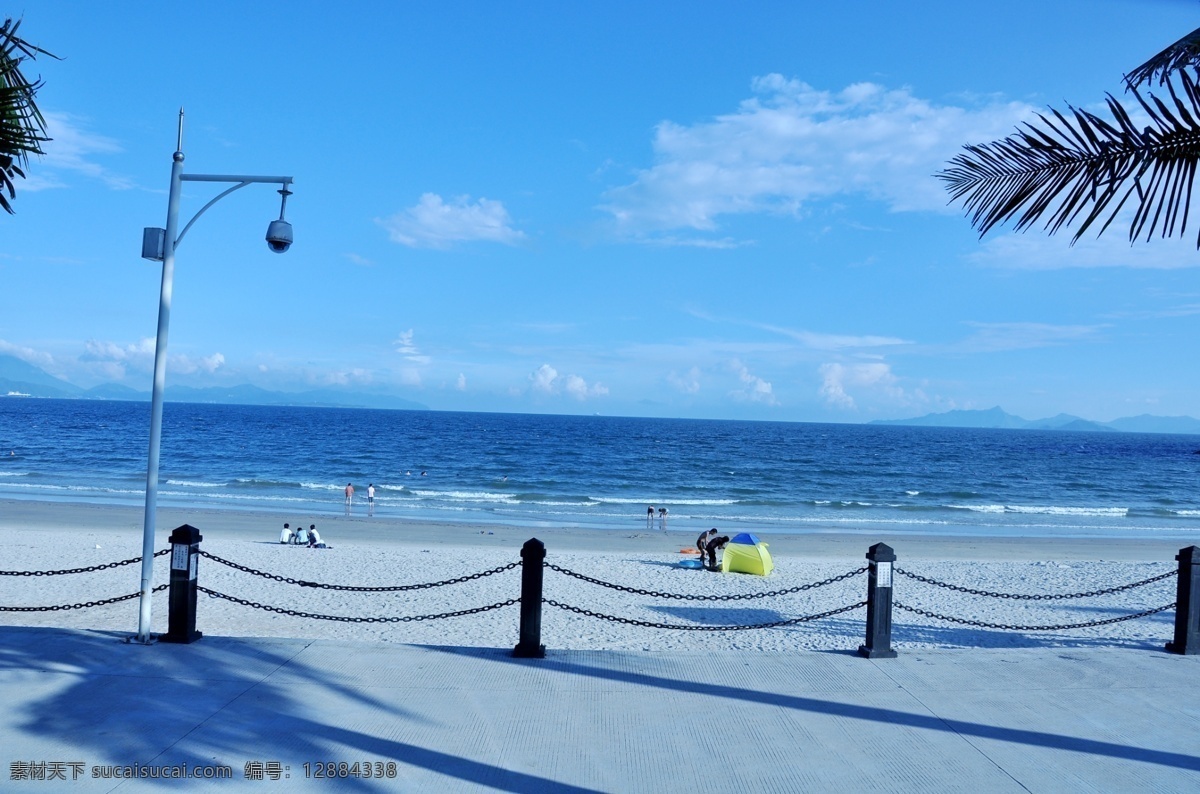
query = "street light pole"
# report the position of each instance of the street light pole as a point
(160, 244)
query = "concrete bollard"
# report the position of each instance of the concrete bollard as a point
(879, 603)
(1187, 603)
(533, 555)
(185, 556)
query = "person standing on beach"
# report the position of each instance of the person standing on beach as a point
(650, 517)
(702, 541)
(662, 518)
(349, 496)
(371, 499)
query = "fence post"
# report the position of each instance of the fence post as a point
(181, 616)
(533, 555)
(1187, 603)
(879, 603)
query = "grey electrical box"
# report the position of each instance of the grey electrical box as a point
(153, 243)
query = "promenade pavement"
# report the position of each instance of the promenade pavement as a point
(277, 712)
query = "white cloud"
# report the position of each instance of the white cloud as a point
(461, 383)
(874, 377)
(345, 377)
(186, 365)
(791, 144)
(995, 337)
(27, 354)
(405, 347)
(1035, 251)
(820, 341)
(754, 388)
(578, 388)
(114, 360)
(545, 379)
(434, 223)
(72, 149)
(688, 383)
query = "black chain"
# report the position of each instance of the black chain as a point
(84, 605)
(1010, 627)
(390, 589)
(1036, 597)
(680, 627)
(693, 597)
(106, 566)
(343, 619)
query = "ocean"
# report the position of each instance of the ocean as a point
(603, 472)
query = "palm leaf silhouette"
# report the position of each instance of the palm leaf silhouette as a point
(1075, 170)
(22, 128)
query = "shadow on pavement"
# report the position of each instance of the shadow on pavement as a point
(124, 703)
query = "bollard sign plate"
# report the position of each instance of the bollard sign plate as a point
(883, 574)
(179, 557)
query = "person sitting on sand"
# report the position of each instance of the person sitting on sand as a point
(301, 535)
(711, 547)
(314, 537)
(702, 541)
(286, 535)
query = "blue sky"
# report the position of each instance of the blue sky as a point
(697, 209)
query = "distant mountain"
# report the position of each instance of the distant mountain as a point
(992, 417)
(998, 418)
(1156, 424)
(21, 378)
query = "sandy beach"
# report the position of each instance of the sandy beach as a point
(385, 552)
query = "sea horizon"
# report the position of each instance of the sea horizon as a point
(603, 472)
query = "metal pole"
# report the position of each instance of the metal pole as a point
(156, 399)
(533, 555)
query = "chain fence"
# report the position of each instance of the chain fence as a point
(89, 569)
(1034, 597)
(353, 588)
(1013, 627)
(356, 589)
(355, 618)
(82, 605)
(1045, 600)
(720, 597)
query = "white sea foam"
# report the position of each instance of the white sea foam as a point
(1069, 511)
(617, 500)
(194, 484)
(1049, 510)
(466, 496)
(320, 486)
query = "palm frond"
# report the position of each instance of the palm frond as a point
(22, 127)
(1181, 55)
(1077, 170)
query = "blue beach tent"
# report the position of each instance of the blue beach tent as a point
(745, 553)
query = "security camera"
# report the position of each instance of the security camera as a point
(279, 236)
